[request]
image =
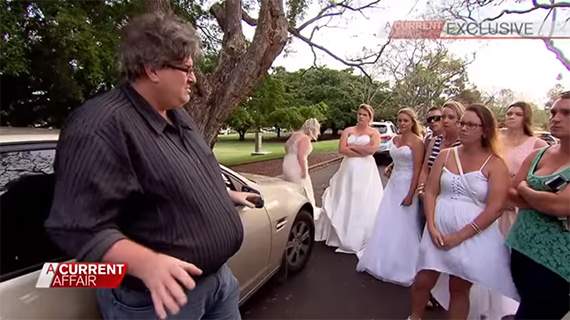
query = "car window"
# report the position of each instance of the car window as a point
(228, 182)
(26, 191)
(394, 129)
(381, 128)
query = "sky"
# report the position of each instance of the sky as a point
(524, 66)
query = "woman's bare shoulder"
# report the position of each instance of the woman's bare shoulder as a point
(372, 132)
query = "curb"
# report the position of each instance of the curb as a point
(324, 163)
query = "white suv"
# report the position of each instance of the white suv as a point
(387, 132)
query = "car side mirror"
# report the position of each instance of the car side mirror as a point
(259, 203)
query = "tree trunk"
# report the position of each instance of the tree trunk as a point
(242, 134)
(278, 132)
(157, 5)
(334, 131)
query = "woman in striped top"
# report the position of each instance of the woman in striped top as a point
(452, 112)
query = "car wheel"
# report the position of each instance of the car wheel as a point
(300, 243)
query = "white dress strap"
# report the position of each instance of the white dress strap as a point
(485, 163)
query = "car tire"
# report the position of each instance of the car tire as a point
(300, 243)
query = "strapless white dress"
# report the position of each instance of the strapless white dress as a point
(351, 202)
(392, 252)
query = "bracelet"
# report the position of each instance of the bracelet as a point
(475, 227)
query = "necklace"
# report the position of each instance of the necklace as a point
(447, 143)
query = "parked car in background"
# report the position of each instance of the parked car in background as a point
(387, 132)
(546, 136)
(278, 238)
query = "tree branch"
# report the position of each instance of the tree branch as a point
(322, 14)
(344, 5)
(536, 7)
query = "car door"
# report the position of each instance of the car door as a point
(250, 264)
(26, 188)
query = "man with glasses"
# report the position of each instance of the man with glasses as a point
(136, 183)
(434, 124)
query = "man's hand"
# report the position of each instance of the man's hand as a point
(388, 171)
(163, 275)
(247, 199)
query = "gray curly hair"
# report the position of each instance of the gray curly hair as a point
(156, 40)
(312, 128)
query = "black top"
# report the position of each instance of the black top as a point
(122, 171)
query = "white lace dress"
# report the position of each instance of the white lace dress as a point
(392, 252)
(351, 202)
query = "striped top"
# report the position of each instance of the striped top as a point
(122, 171)
(437, 149)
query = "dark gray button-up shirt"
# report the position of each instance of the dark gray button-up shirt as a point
(122, 171)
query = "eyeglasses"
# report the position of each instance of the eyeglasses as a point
(187, 70)
(433, 119)
(469, 125)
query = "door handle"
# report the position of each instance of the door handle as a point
(281, 223)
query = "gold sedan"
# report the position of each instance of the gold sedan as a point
(278, 237)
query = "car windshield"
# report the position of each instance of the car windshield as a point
(381, 128)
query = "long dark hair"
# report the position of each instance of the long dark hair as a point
(527, 111)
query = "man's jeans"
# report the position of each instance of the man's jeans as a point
(214, 297)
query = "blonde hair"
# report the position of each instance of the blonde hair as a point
(312, 128)
(368, 109)
(416, 127)
(457, 107)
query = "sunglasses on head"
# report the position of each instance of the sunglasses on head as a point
(433, 119)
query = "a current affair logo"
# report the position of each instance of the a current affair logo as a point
(81, 275)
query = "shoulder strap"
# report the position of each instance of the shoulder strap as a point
(464, 181)
(485, 163)
(537, 159)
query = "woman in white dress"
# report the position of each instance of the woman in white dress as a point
(351, 201)
(392, 251)
(464, 196)
(295, 162)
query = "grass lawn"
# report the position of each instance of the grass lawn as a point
(230, 151)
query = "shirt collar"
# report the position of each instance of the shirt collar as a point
(156, 121)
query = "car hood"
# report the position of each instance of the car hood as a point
(263, 180)
(273, 182)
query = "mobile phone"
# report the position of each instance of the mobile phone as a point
(556, 183)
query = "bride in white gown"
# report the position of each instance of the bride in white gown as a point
(392, 252)
(295, 162)
(351, 201)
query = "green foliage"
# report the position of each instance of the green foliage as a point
(428, 80)
(540, 117)
(241, 121)
(59, 53)
(284, 100)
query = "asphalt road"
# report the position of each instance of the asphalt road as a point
(329, 287)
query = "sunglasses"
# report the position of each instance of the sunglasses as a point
(433, 119)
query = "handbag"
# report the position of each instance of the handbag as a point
(464, 181)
